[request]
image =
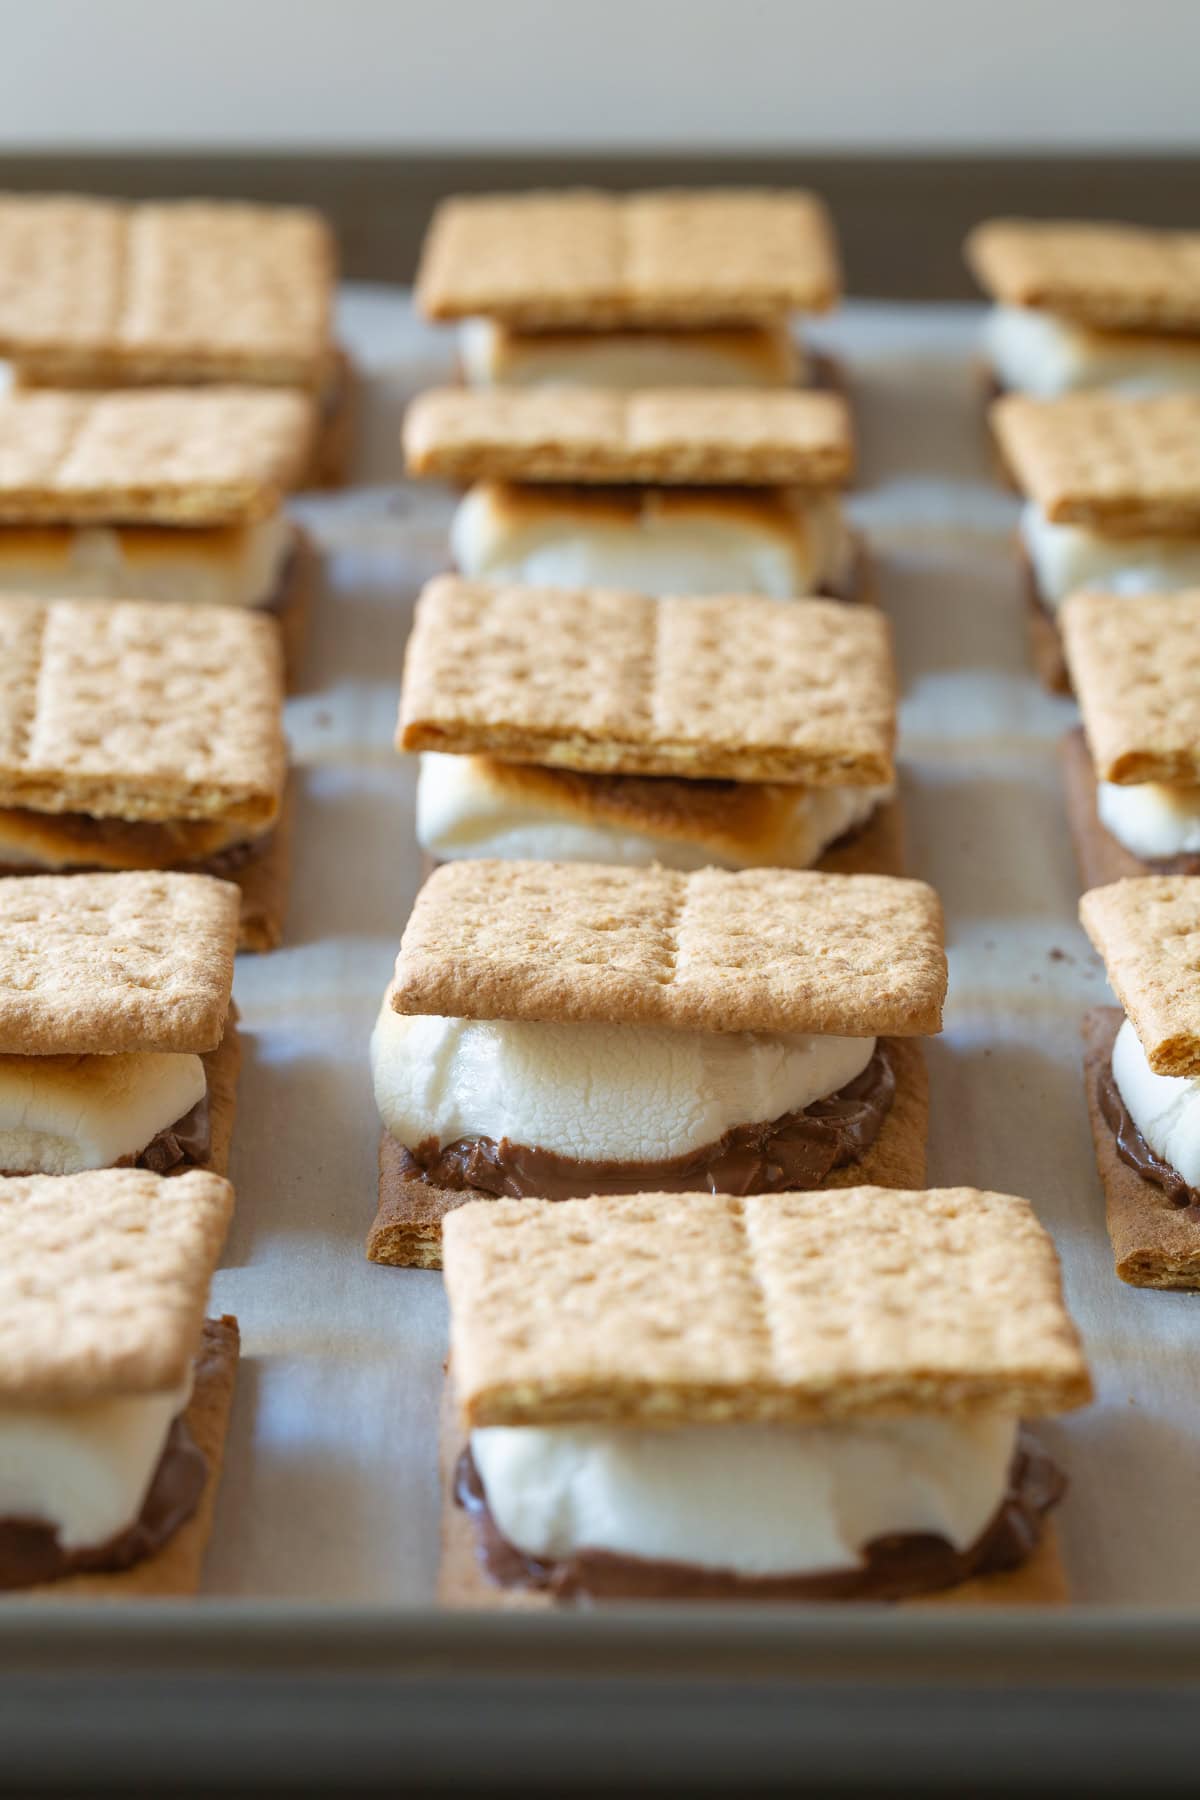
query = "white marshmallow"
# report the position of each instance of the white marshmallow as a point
(98, 562)
(1151, 819)
(1066, 557)
(84, 1469)
(1035, 352)
(752, 1499)
(60, 1114)
(657, 551)
(622, 360)
(459, 814)
(1165, 1108)
(593, 1091)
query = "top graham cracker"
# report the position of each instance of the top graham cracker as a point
(583, 259)
(1147, 929)
(133, 710)
(98, 291)
(1118, 464)
(1135, 668)
(726, 437)
(1115, 277)
(663, 1310)
(95, 964)
(103, 1282)
(755, 950)
(599, 680)
(162, 456)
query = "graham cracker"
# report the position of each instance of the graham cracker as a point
(407, 1229)
(860, 1302)
(292, 606)
(579, 257)
(174, 1573)
(739, 437)
(713, 950)
(1041, 1581)
(1135, 664)
(1148, 932)
(605, 681)
(96, 963)
(1114, 277)
(157, 456)
(103, 1281)
(337, 424)
(1155, 1244)
(1129, 466)
(1101, 857)
(132, 710)
(264, 882)
(222, 1067)
(181, 291)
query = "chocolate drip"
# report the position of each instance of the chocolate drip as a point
(895, 1567)
(30, 1553)
(796, 1151)
(188, 1140)
(1133, 1149)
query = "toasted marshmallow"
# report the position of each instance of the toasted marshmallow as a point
(1039, 353)
(496, 355)
(755, 1500)
(237, 566)
(594, 1091)
(1066, 557)
(60, 1114)
(778, 543)
(1151, 819)
(471, 806)
(33, 840)
(84, 1469)
(1165, 1108)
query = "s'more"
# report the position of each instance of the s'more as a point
(118, 1038)
(594, 725)
(115, 1390)
(665, 491)
(808, 1397)
(1112, 487)
(171, 495)
(1081, 305)
(114, 294)
(1142, 1063)
(563, 1029)
(667, 288)
(140, 736)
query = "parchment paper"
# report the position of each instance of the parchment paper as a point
(330, 1486)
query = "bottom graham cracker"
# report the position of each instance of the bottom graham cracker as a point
(265, 880)
(407, 1230)
(1155, 1244)
(222, 1067)
(174, 1573)
(329, 465)
(462, 1583)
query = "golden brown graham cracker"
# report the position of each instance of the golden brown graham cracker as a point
(1112, 276)
(1041, 1581)
(175, 1571)
(132, 710)
(690, 436)
(714, 950)
(1101, 858)
(1155, 1243)
(1114, 463)
(96, 963)
(157, 456)
(407, 1228)
(222, 1067)
(1148, 932)
(1135, 666)
(264, 882)
(607, 681)
(104, 1278)
(195, 290)
(858, 1302)
(579, 257)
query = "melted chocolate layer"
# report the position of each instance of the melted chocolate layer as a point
(893, 1568)
(188, 1140)
(1133, 1149)
(796, 1151)
(31, 1554)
